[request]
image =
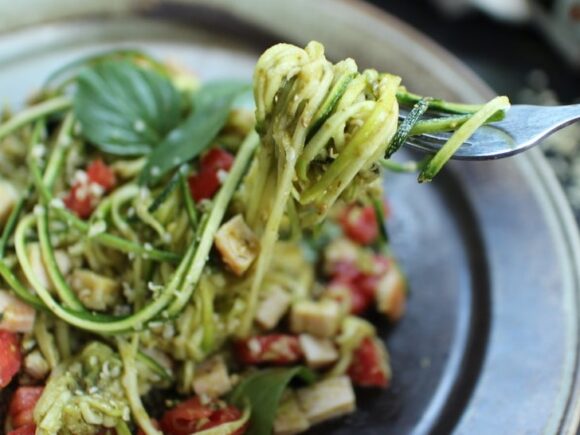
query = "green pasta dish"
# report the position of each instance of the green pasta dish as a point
(172, 262)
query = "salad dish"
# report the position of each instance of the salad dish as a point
(174, 262)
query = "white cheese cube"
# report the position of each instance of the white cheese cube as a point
(318, 352)
(273, 307)
(327, 399)
(237, 244)
(317, 318)
(95, 291)
(15, 315)
(290, 419)
(340, 250)
(391, 294)
(35, 365)
(8, 199)
(211, 378)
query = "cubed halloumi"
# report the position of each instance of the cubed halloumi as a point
(8, 199)
(340, 250)
(317, 318)
(35, 365)
(327, 399)
(391, 294)
(95, 291)
(318, 352)
(15, 315)
(237, 244)
(211, 378)
(36, 261)
(290, 419)
(273, 307)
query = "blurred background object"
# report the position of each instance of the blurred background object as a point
(528, 50)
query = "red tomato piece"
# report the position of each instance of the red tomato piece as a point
(369, 366)
(80, 201)
(206, 183)
(369, 281)
(345, 271)
(22, 405)
(216, 159)
(98, 172)
(275, 349)
(347, 292)
(29, 429)
(360, 224)
(10, 356)
(226, 415)
(192, 416)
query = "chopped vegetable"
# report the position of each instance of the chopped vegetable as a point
(22, 405)
(10, 357)
(370, 365)
(360, 224)
(215, 164)
(194, 416)
(29, 429)
(274, 349)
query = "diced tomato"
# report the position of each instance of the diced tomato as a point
(361, 286)
(368, 281)
(22, 405)
(216, 159)
(345, 271)
(206, 183)
(275, 349)
(10, 357)
(155, 424)
(369, 366)
(80, 201)
(346, 292)
(360, 224)
(98, 172)
(87, 191)
(29, 429)
(192, 416)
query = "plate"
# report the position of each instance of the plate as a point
(490, 340)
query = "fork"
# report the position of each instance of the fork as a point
(523, 127)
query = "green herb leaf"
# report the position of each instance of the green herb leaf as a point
(124, 109)
(262, 392)
(211, 107)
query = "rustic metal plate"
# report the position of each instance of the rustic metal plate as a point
(490, 340)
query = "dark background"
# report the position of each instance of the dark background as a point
(515, 60)
(506, 55)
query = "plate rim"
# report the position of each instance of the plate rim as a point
(552, 197)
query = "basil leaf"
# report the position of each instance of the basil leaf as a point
(262, 392)
(211, 106)
(124, 109)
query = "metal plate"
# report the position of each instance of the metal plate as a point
(490, 340)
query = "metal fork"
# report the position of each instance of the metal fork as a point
(523, 127)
